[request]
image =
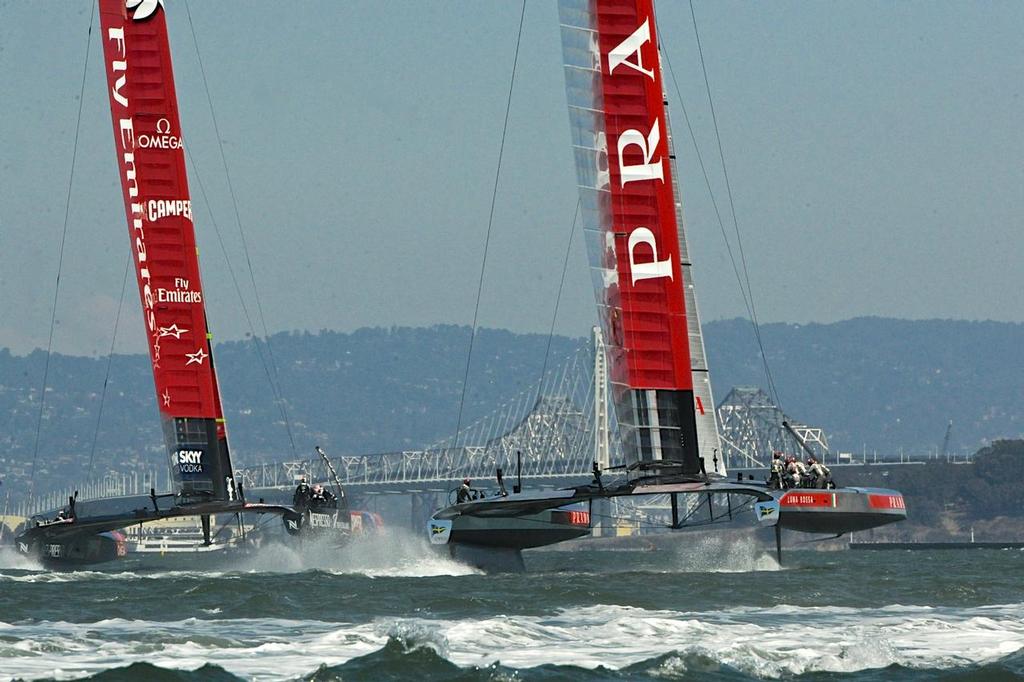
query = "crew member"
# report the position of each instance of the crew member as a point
(465, 493)
(300, 500)
(330, 499)
(317, 499)
(820, 475)
(775, 476)
(797, 472)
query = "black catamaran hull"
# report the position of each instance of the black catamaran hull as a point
(91, 538)
(76, 550)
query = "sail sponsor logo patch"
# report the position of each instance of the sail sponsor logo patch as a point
(640, 155)
(190, 461)
(144, 9)
(181, 293)
(126, 142)
(161, 138)
(161, 208)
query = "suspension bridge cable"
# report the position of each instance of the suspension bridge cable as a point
(732, 206)
(60, 258)
(490, 224)
(110, 358)
(275, 382)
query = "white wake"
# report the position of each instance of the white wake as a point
(768, 643)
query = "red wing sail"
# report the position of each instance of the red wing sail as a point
(625, 176)
(151, 164)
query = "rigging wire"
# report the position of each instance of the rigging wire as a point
(275, 382)
(490, 224)
(110, 358)
(721, 223)
(707, 182)
(558, 298)
(60, 258)
(732, 207)
(234, 280)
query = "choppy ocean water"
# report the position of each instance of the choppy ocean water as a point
(708, 609)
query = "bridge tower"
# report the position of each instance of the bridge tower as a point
(601, 509)
(602, 448)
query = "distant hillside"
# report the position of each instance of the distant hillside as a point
(373, 390)
(879, 382)
(945, 501)
(884, 383)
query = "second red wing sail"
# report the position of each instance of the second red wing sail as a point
(151, 165)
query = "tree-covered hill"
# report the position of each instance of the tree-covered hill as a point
(880, 383)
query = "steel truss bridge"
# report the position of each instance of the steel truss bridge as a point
(557, 430)
(752, 427)
(548, 434)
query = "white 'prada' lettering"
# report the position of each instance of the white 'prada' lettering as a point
(647, 170)
(620, 54)
(652, 269)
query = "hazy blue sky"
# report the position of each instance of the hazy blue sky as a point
(875, 150)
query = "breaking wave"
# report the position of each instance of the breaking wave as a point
(594, 642)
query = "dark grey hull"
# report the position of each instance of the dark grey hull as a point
(517, 532)
(839, 511)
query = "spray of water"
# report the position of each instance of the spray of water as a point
(10, 558)
(724, 553)
(388, 553)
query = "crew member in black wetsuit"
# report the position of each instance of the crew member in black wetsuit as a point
(300, 500)
(465, 493)
(330, 499)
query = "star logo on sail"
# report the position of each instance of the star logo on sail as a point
(173, 330)
(144, 9)
(167, 397)
(196, 357)
(156, 351)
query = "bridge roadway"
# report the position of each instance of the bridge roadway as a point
(388, 479)
(384, 480)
